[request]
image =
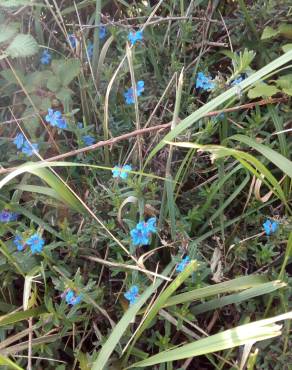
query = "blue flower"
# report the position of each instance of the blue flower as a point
(72, 40)
(204, 82)
(120, 172)
(19, 242)
(55, 119)
(88, 140)
(90, 49)
(140, 87)
(149, 226)
(182, 265)
(71, 298)
(19, 140)
(102, 32)
(29, 149)
(237, 81)
(142, 232)
(80, 125)
(46, 57)
(132, 294)
(6, 216)
(270, 227)
(139, 237)
(36, 243)
(129, 94)
(133, 37)
(26, 148)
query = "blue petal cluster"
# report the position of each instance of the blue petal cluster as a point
(19, 242)
(71, 298)
(55, 119)
(102, 32)
(90, 49)
(133, 37)
(204, 82)
(72, 40)
(46, 57)
(237, 81)
(121, 172)
(7, 216)
(182, 265)
(35, 242)
(132, 294)
(270, 227)
(142, 233)
(26, 148)
(129, 94)
(88, 140)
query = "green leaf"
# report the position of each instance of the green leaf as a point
(248, 294)
(15, 3)
(10, 364)
(219, 100)
(262, 90)
(278, 159)
(285, 30)
(234, 285)
(7, 32)
(268, 33)
(53, 84)
(64, 94)
(14, 317)
(68, 70)
(22, 46)
(287, 47)
(249, 333)
(285, 83)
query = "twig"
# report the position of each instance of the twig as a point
(150, 129)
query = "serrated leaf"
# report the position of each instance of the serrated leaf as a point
(53, 84)
(262, 90)
(22, 46)
(286, 30)
(287, 47)
(15, 3)
(10, 76)
(285, 81)
(7, 32)
(64, 95)
(68, 71)
(268, 33)
(288, 91)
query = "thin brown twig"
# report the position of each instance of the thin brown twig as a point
(142, 131)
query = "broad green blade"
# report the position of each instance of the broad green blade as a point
(13, 317)
(249, 333)
(278, 159)
(158, 304)
(234, 285)
(10, 365)
(238, 297)
(129, 316)
(219, 100)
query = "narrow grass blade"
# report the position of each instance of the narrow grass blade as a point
(234, 285)
(158, 304)
(4, 361)
(253, 332)
(278, 159)
(117, 333)
(239, 297)
(247, 160)
(14, 317)
(5, 251)
(216, 102)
